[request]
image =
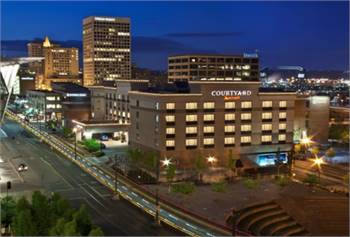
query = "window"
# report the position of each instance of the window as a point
(229, 117)
(191, 105)
(191, 118)
(170, 130)
(230, 105)
(229, 140)
(266, 127)
(266, 138)
(283, 104)
(281, 137)
(208, 117)
(170, 143)
(50, 106)
(267, 104)
(170, 118)
(58, 106)
(246, 139)
(191, 130)
(282, 126)
(157, 105)
(208, 129)
(229, 128)
(208, 141)
(50, 98)
(170, 106)
(266, 115)
(208, 105)
(246, 128)
(246, 116)
(246, 104)
(191, 142)
(282, 115)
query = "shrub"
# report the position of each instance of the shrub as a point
(311, 179)
(282, 181)
(92, 145)
(250, 183)
(184, 188)
(219, 187)
(99, 153)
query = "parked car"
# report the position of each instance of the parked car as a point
(22, 167)
(104, 138)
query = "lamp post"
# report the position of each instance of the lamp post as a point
(157, 220)
(211, 160)
(75, 130)
(115, 168)
(318, 161)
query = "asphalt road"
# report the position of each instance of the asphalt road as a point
(51, 173)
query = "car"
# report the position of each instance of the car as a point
(104, 138)
(22, 167)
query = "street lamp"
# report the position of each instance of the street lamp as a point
(157, 220)
(166, 162)
(318, 161)
(75, 130)
(115, 168)
(211, 160)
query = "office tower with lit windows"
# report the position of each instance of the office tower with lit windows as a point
(107, 49)
(61, 62)
(198, 67)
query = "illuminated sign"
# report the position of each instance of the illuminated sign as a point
(76, 94)
(250, 55)
(104, 19)
(231, 93)
(27, 78)
(270, 159)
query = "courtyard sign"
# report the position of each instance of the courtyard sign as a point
(229, 93)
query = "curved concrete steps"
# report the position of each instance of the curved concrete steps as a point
(255, 209)
(272, 225)
(255, 222)
(290, 230)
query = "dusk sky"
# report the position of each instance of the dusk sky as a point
(314, 35)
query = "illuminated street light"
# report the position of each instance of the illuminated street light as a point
(212, 159)
(166, 162)
(318, 161)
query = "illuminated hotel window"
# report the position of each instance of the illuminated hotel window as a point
(170, 143)
(191, 118)
(191, 142)
(246, 74)
(50, 106)
(51, 98)
(229, 140)
(282, 126)
(246, 104)
(58, 106)
(170, 118)
(266, 138)
(208, 141)
(157, 106)
(229, 117)
(191, 130)
(246, 67)
(282, 115)
(267, 104)
(266, 127)
(208, 117)
(208, 129)
(170, 106)
(191, 105)
(229, 128)
(267, 115)
(208, 105)
(281, 137)
(246, 139)
(246, 116)
(246, 128)
(230, 105)
(170, 130)
(283, 104)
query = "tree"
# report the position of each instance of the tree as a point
(41, 213)
(70, 229)
(60, 207)
(231, 163)
(92, 145)
(134, 155)
(200, 165)
(24, 224)
(96, 231)
(311, 179)
(330, 153)
(8, 210)
(170, 174)
(151, 160)
(83, 221)
(67, 132)
(58, 228)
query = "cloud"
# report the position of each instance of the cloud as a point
(207, 34)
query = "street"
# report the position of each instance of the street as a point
(51, 173)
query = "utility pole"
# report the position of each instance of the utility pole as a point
(157, 220)
(115, 168)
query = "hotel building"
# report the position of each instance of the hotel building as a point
(196, 67)
(213, 119)
(106, 46)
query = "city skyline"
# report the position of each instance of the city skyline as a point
(165, 29)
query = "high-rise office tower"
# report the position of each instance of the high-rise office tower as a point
(61, 62)
(106, 46)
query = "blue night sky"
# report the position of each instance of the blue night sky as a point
(310, 34)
